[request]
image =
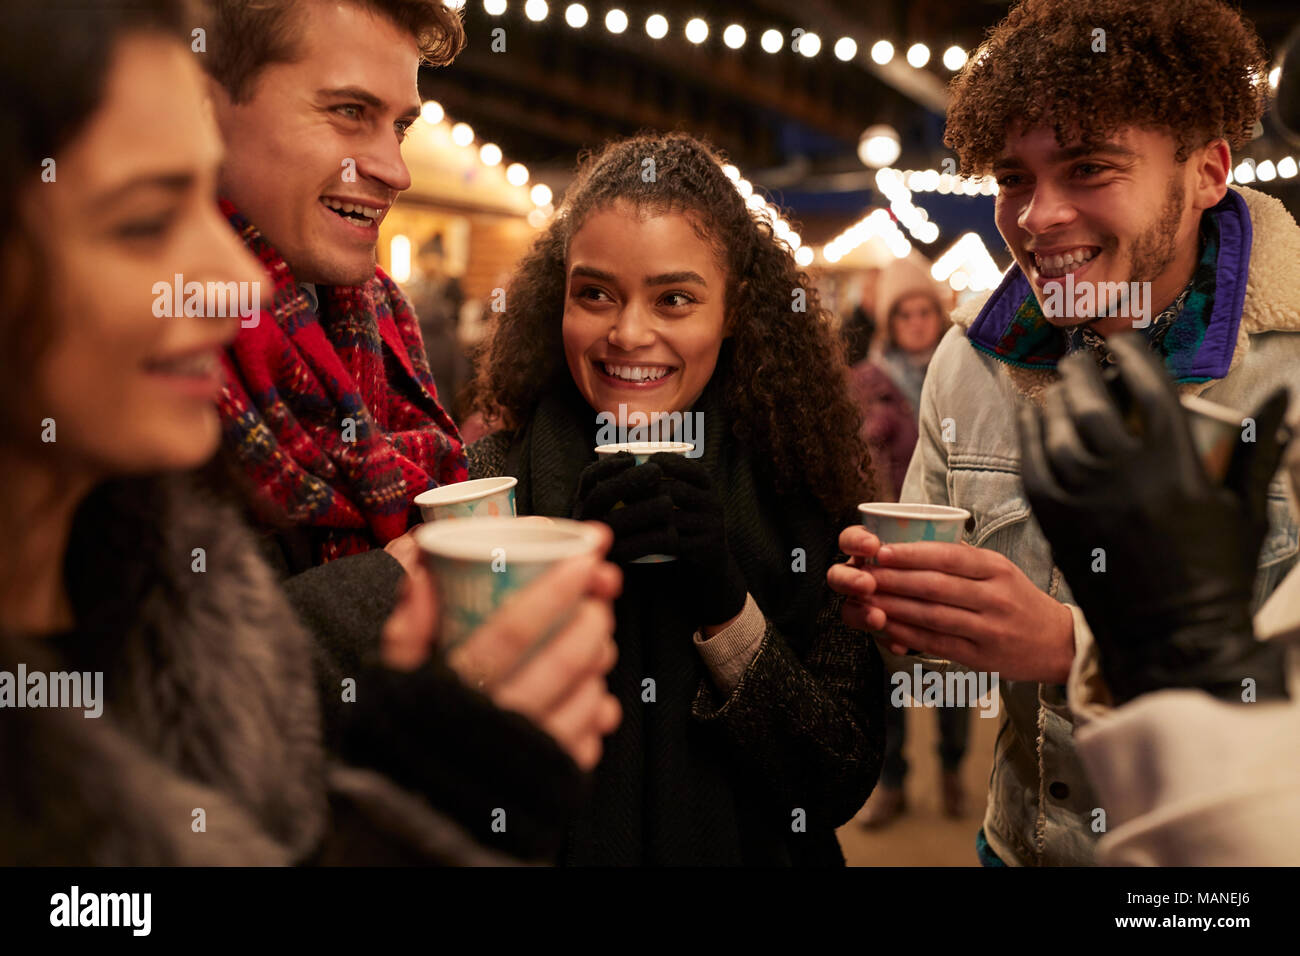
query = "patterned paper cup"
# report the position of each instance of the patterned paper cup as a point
(480, 498)
(895, 523)
(641, 451)
(477, 563)
(1216, 429)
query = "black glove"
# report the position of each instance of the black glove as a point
(1172, 608)
(632, 500)
(711, 580)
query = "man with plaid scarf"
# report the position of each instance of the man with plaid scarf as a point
(332, 426)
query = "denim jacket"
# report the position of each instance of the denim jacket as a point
(1041, 808)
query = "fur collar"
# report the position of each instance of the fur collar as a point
(1272, 292)
(210, 700)
(210, 705)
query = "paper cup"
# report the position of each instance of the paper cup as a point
(641, 451)
(477, 563)
(895, 523)
(1216, 430)
(480, 498)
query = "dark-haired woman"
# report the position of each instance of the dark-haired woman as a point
(753, 722)
(157, 697)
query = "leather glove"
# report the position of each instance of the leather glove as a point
(711, 581)
(1172, 607)
(631, 499)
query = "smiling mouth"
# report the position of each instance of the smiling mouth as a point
(635, 374)
(1059, 264)
(355, 213)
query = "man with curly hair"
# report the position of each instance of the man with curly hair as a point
(1109, 127)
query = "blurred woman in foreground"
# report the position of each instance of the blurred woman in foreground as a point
(169, 713)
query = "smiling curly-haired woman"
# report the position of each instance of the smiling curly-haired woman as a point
(753, 723)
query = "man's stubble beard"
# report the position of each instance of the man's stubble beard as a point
(1156, 248)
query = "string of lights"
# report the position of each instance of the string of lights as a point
(734, 36)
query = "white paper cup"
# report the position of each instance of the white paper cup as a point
(479, 498)
(641, 451)
(477, 563)
(898, 523)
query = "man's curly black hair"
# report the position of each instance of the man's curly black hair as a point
(1193, 68)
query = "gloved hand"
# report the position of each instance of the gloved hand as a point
(713, 583)
(1172, 608)
(631, 499)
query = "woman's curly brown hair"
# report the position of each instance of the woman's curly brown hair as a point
(787, 381)
(1194, 68)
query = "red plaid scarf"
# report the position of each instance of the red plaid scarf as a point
(293, 381)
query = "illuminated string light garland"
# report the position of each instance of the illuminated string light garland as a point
(893, 186)
(933, 181)
(967, 265)
(803, 255)
(1266, 171)
(877, 224)
(489, 155)
(697, 30)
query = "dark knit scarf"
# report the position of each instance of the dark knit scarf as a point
(334, 416)
(666, 792)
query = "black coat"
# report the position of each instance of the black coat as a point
(210, 704)
(760, 776)
(425, 729)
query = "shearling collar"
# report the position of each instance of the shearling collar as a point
(1271, 294)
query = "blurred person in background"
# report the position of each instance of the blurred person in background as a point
(888, 425)
(1186, 724)
(859, 326)
(753, 716)
(913, 321)
(117, 565)
(437, 299)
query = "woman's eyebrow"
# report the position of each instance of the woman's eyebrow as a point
(666, 278)
(176, 182)
(671, 278)
(593, 273)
